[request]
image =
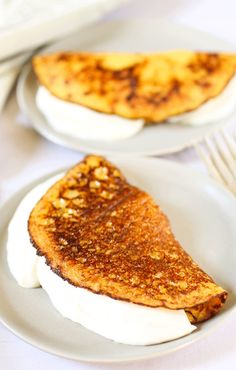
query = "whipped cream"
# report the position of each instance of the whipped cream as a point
(21, 255)
(120, 321)
(84, 123)
(213, 110)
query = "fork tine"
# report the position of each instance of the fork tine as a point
(231, 143)
(210, 165)
(225, 152)
(219, 163)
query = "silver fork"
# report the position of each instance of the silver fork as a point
(219, 155)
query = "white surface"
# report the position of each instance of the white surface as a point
(13, 12)
(6, 82)
(120, 321)
(9, 70)
(81, 122)
(129, 36)
(24, 155)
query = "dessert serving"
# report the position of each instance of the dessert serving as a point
(105, 254)
(111, 96)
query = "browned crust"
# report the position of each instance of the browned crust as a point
(206, 310)
(100, 233)
(153, 87)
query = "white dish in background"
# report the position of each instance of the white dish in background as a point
(202, 215)
(28, 24)
(126, 36)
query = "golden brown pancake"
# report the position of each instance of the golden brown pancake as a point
(149, 86)
(100, 233)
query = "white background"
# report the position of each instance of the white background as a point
(24, 155)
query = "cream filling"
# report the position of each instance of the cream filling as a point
(213, 110)
(84, 123)
(120, 321)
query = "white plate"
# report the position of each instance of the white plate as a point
(39, 24)
(202, 215)
(126, 36)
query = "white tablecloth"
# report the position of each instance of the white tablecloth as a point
(24, 156)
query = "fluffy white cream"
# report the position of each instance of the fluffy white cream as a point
(114, 319)
(84, 123)
(213, 110)
(22, 258)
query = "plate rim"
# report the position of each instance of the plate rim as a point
(57, 138)
(13, 202)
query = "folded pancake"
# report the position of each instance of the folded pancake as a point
(153, 87)
(100, 233)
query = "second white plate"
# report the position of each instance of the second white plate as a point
(130, 36)
(202, 216)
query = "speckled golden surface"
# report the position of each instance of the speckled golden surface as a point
(149, 86)
(99, 232)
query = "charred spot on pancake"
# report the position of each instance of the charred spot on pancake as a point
(203, 83)
(62, 57)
